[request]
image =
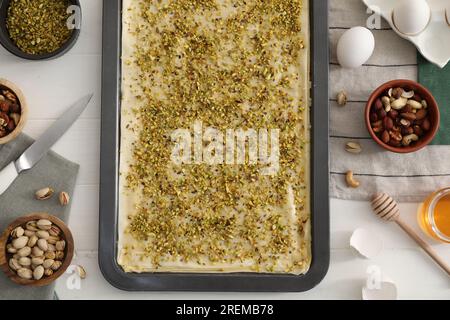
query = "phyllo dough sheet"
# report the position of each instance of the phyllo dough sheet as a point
(215, 150)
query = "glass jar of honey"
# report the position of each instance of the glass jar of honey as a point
(434, 215)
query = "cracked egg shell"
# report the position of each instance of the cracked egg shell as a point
(368, 244)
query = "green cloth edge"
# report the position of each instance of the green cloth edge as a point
(437, 80)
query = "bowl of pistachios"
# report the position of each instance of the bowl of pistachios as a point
(36, 249)
(39, 29)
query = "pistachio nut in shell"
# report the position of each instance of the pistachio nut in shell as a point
(44, 224)
(42, 234)
(33, 240)
(64, 198)
(14, 264)
(17, 232)
(25, 261)
(24, 252)
(44, 193)
(48, 263)
(60, 245)
(20, 242)
(38, 273)
(42, 244)
(25, 273)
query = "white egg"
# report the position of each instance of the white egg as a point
(355, 47)
(411, 17)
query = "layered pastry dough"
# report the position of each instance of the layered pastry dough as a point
(227, 65)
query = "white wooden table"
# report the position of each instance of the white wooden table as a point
(52, 85)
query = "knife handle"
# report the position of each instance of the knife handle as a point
(7, 177)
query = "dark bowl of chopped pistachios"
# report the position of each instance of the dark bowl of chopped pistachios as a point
(39, 29)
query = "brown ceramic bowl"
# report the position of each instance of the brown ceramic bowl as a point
(5, 256)
(7, 85)
(433, 114)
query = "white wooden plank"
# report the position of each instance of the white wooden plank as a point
(83, 221)
(80, 144)
(52, 86)
(416, 278)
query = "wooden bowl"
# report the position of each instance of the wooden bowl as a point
(5, 84)
(433, 113)
(5, 256)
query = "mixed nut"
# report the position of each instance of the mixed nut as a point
(36, 249)
(10, 111)
(400, 118)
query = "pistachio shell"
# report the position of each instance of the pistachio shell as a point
(42, 244)
(48, 263)
(42, 234)
(11, 249)
(37, 261)
(59, 255)
(44, 224)
(14, 264)
(33, 240)
(48, 272)
(31, 226)
(38, 273)
(17, 232)
(64, 198)
(20, 242)
(44, 194)
(24, 252)
(56, 265)
(50, 255)
(60, 245)
(25, 261)
(37, 252)
(25, 273)
(51, 247)
(81, 272)
(29, 233)
(53, 239)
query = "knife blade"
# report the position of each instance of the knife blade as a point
(42, 145)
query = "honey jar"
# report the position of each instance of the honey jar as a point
(434, 215)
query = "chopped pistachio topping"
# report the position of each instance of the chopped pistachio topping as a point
(229, 64)
(38, 26)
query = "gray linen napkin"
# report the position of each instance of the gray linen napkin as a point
(52, 171)
(408, 177)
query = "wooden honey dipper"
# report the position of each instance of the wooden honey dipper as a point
(387, 209)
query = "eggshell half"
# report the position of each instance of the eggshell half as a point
(366, 243)
(355, 47)
(411, 17)
(386, 291)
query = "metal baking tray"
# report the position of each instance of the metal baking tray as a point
(109, 170)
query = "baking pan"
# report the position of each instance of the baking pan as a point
(110, 143)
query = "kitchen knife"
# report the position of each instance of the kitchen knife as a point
(41, 146)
